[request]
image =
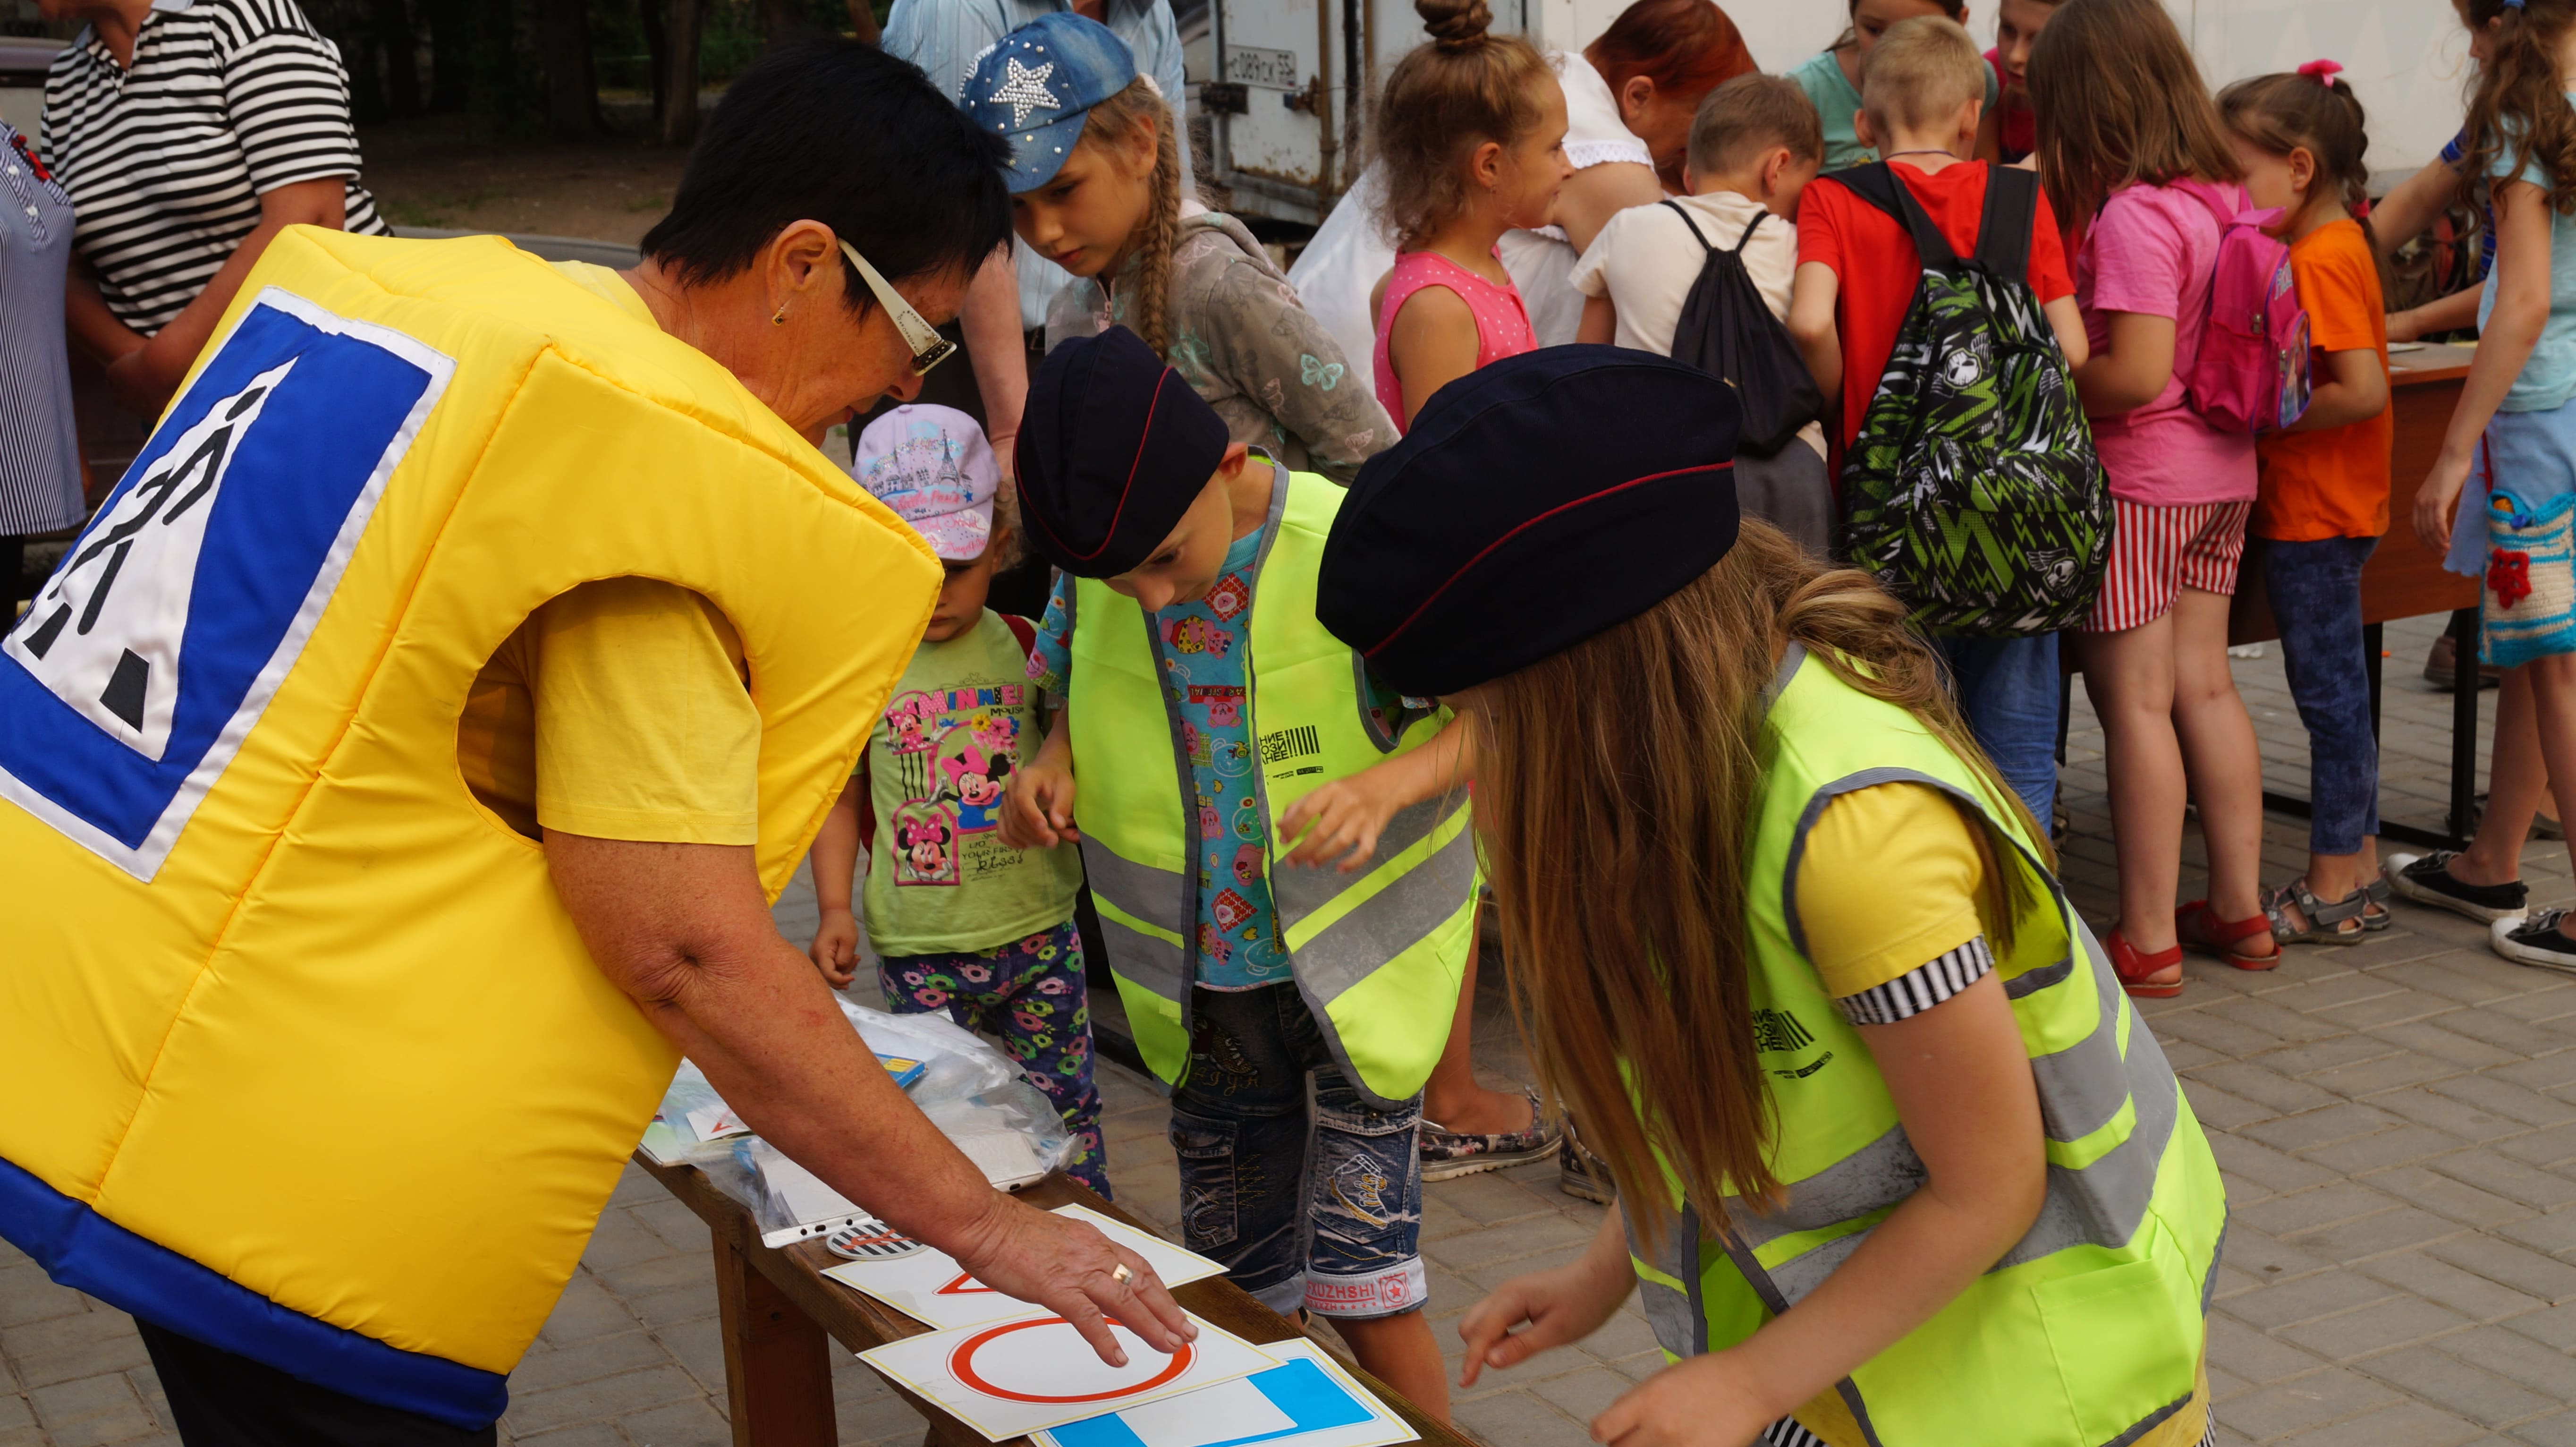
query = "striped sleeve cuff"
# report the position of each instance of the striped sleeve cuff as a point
(1920, 988)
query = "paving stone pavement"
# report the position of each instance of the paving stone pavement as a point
(2396, 1123)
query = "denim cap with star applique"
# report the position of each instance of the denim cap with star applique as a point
(1036, 86)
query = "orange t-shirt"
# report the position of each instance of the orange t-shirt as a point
(2331, 483)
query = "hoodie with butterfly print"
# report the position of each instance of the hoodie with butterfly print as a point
(1244, 343)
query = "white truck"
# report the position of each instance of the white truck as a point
(1286, 84)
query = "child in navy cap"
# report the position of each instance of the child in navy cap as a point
(1890, 1142)
(1279, 847)
(1095, 177)
(962, 923)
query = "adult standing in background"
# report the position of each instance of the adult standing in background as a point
(188, 133)
(40, 477)
(1003, 325)
(1629, 98)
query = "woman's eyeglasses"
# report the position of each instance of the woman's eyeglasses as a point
(929, 348)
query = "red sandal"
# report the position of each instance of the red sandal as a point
(2199, 928)
(2137, 971)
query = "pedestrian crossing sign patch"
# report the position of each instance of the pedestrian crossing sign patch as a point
(145, 659)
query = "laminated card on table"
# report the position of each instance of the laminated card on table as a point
(1308, 1400)
(931, 1288)
(1010, 1377)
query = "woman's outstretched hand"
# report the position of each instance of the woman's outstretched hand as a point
(1072, 1270)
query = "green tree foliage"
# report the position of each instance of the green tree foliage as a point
(530, 68)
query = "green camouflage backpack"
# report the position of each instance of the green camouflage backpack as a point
(1973, 491)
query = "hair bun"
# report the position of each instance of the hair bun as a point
(1455, 24)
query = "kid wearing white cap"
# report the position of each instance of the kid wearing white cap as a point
(960, 921)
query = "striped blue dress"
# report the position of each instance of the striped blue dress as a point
(40, 487)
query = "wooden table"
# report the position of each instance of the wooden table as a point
(2403, 579)
(779, 1315)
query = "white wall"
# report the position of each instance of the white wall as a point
(2405, 58)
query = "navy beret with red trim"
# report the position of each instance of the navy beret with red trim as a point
(1113, 448)
(1536, 502)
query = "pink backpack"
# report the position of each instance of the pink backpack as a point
(2251, 374)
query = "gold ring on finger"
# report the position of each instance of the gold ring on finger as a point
(1121, 1274)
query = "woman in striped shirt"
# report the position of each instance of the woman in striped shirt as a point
(189, 132)
(40, 473)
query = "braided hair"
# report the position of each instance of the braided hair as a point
(2313, 111)
(1115, 121)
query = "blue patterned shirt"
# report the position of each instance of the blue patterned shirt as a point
(1238, 929)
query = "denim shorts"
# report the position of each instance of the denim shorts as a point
(2529, 454)
(1308, 1201)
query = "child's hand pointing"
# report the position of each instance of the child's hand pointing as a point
(1037, 813)
(1347, 816)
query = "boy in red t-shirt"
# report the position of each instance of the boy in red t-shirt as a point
(1921, 90)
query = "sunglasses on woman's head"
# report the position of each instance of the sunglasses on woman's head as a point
(929, 348)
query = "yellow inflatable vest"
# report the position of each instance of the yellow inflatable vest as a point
(302, 1055)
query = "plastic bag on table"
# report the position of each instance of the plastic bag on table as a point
(957, 1064)
(1011, 1132)
(973, 1092)
(694, 1124)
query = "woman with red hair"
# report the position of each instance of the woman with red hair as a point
(1629, 98)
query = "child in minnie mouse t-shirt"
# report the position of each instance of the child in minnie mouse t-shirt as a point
(960, 921)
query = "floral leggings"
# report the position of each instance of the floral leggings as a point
(1030, 993)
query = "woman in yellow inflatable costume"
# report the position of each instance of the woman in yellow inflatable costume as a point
(394, 776)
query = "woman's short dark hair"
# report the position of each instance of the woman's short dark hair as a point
(839, 132)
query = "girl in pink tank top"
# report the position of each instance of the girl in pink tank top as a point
(1471, 130)
(1502, 325)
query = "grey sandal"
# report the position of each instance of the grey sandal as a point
(2322, 919)
(2376, 917)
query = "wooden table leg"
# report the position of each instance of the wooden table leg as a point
(778, 1363)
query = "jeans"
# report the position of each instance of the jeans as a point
(2008, 689)
(2315, 588)
(1317, 1207)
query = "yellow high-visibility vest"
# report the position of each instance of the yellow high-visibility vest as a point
(2089, 1332)
(1378, 954)
(302, 1054)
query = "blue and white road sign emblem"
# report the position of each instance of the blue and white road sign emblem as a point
(147, 657)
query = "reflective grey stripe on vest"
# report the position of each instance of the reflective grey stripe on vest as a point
(1156, 896)
(1387, 923)
(2101, 1204)
(1143, 960)
(1679, 1318)
(1297, 893)
(2080, 1089)
(1150, 894)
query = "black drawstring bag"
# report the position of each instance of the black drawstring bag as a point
(1727, 331)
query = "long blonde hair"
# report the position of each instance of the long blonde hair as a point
(1617, 786)
(1111, 124)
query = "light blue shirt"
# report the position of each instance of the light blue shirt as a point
(1821, 77)
(2548, 380)
(944, 37)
